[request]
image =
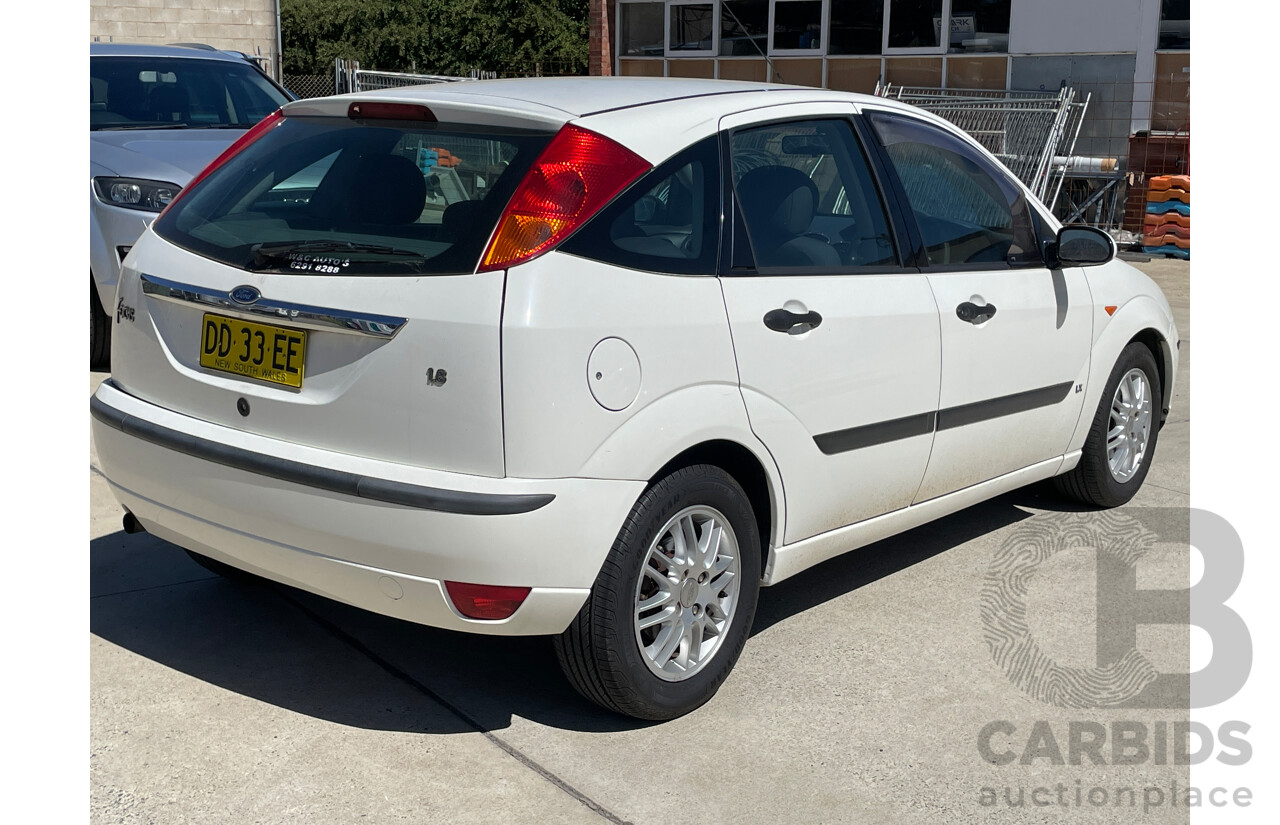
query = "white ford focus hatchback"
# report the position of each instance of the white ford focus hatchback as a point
(597, 358)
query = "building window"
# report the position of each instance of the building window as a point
(1175, 24)
(1171, 95)
(797, 25)
(744, 28)
(966, 72)
(857, 27)
(980, 26)
(915, 24)
(691, 28)
(854, 74)
(915, 70)
(640, 29)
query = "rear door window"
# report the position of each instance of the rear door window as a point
(807, 197)
(333, 196)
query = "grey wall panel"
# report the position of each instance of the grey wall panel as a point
(1056, 27)
(1108, 77)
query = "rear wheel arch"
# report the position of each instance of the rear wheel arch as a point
(747, 469)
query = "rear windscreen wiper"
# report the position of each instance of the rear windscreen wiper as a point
(264, 253)
(130, 127)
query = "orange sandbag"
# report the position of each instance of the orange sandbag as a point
(1166, 229)
(445, 157)
(1167, 195)
(1166, 240)
(1150, 222)
(1162, 182)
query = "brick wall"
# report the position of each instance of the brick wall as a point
(247, 26)
(600, 28)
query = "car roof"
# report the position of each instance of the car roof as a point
(584, 96)
(651, 116)
(146, 50)
(553, 101)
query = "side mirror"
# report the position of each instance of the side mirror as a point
(1082, 246)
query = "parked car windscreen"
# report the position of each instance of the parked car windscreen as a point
(177, 93)
(337, 196)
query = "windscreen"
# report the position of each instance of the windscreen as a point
(343, 197)
(177, 93)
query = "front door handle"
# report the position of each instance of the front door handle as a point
(781, 320)
(975, 314)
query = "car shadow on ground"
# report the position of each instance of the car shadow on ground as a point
(326, 660)
(859, 568)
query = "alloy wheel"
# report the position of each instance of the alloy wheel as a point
(1129, 429)
(687, 594)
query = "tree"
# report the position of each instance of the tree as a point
(436, 36)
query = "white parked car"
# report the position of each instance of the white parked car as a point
(681, 340)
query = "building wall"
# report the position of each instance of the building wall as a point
(1057, 27)
(247, 26)
(1132, 66)
(1110, 49)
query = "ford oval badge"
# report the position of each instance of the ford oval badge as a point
(245, 295)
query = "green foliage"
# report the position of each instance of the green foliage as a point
(437, 36)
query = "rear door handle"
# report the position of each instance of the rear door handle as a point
(781, 320)
(975, 314)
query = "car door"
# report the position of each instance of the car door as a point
(836, 341)
(1015, 334)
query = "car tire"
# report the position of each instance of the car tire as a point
(224, 570)
(99, 331)
(1122, 438)
(618, 651)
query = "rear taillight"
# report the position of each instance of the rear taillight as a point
(577, 174)
(259, 129)
(485, 601)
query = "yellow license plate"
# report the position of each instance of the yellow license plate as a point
(253, 350)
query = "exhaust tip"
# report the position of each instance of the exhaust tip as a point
(132, 525)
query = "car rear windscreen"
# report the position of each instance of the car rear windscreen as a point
(337, 196)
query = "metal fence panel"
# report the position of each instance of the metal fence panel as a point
(364, 80)
(310, 85)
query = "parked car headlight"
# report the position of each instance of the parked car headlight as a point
(135, 193)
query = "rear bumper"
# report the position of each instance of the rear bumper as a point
(380, 536)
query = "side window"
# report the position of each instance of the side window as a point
(807, 197)
(968, 212)
(668, 221)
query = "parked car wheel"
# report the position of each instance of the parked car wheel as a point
(99, 331)
(1122, 440)
(670, 611)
